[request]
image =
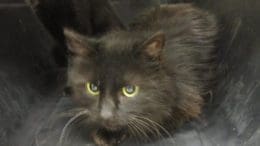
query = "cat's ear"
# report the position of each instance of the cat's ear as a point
(76, 43)
(154, 45)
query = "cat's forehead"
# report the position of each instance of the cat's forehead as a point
(117, 63)
(120, 41)
(112, 67)
(109, 72)
(115, 59)
(117, 52)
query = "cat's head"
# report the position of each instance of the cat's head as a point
(121, 79)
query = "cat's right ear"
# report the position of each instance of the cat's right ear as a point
(76, 43)
(153, 46)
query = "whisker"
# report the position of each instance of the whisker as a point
(140, 128)
(130, 127)
(159, 126)
(70, 112)
(65, 128)
(151, 128)
(65, 114)
(140, 132)
(133, 132)
(136, 129)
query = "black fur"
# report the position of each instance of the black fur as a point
(173, 75)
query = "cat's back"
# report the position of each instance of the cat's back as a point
(174, 19)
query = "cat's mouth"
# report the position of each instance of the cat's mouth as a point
(109, 137)
(108, 132)
(112, 127)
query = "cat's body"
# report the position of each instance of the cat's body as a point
(151, 78)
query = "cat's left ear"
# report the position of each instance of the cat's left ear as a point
(153, 46)
(76, 43)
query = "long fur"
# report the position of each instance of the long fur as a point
(173, 84)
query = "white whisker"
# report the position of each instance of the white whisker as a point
(158, 125)
(64, 130)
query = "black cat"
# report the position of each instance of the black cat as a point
(145, 82)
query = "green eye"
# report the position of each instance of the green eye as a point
(130, 90)
(92, 89)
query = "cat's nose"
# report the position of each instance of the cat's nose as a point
(107, 110)
(107, 116)
(106, 113)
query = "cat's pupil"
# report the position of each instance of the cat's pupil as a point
(130, 89)
(93, 87)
